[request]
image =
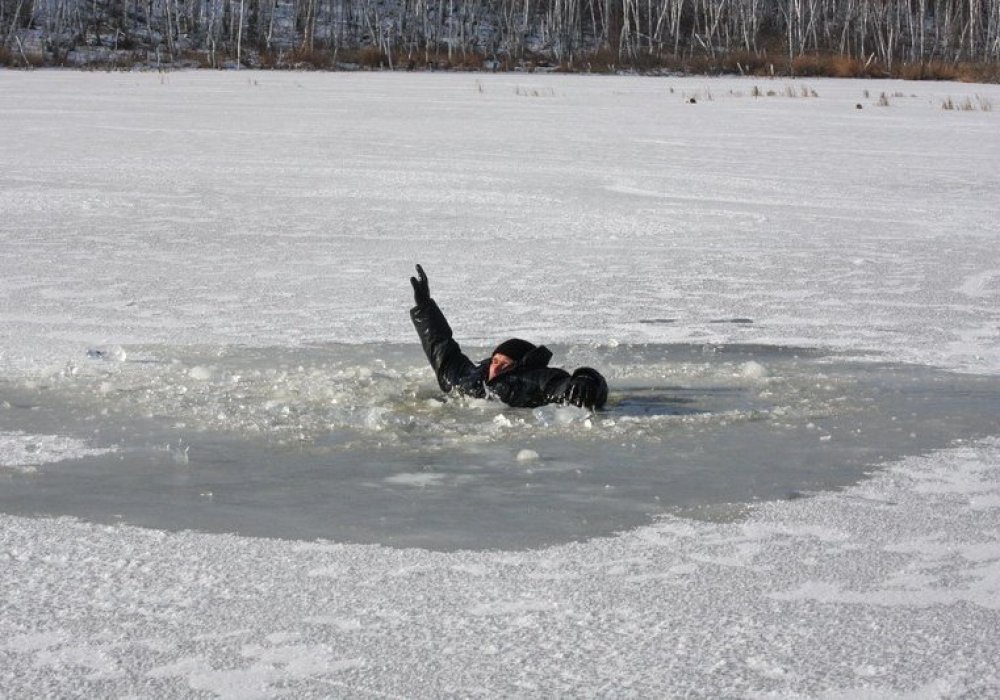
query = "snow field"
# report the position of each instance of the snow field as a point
(146, 208)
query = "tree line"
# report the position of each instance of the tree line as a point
(741, 35)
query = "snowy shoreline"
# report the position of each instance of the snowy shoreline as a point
(287, 209)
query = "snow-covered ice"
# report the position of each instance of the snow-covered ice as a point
(286, 210)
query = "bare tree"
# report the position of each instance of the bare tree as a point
(570, 31)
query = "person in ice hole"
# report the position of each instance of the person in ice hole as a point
(517, 372)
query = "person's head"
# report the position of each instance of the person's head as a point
(507, 354)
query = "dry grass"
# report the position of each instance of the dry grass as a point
(774, 63)
(422, 60)
(940, 70)
(788, 91)
(771, 61)
(748, 63)
(603, 60)
(203, 59)
(370, 58)
(931, 70)
(969, 104)
(839, 66)
(835, 66)
(534, 92)
(13, 58)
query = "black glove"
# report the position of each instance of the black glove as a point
(582, 391)
(587, 389)
(421, 290)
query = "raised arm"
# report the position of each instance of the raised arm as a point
(446, 357)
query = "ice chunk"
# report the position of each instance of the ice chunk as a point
(502, 420)
(753, 370)
(23, 452)
(567, 414)
(179, 453)
(417, 480)
(375, 418)
(201, 373)
(527, 455)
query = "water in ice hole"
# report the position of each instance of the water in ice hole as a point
(355, 443)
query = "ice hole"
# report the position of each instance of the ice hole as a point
(355, 443)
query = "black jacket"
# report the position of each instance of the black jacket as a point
(530, 383)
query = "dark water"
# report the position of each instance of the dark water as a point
(356, 444)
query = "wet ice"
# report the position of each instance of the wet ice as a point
(356, 443)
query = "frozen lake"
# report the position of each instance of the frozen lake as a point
(203, 326)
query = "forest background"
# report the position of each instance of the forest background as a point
(920, 39)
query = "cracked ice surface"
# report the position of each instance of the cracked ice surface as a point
(267, 209)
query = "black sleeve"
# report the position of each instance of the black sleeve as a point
(447, 360)
(530, 389)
